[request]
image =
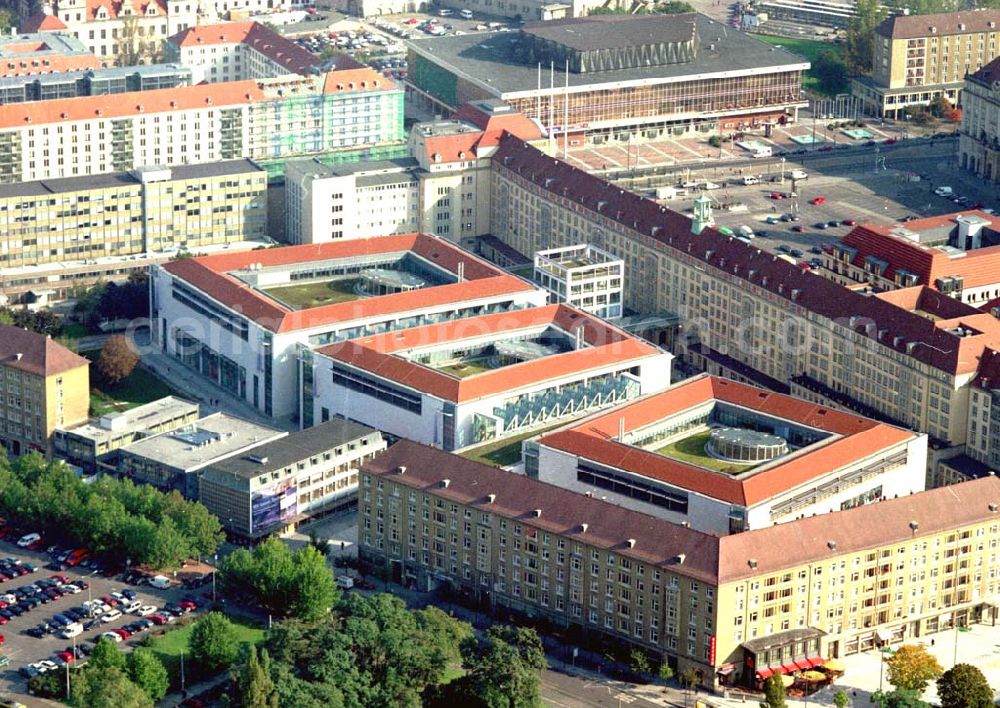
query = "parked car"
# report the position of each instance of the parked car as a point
(28, 539)
(817, 201)
(833, 223)
(146, 610)
(821, 225)
(849, 222)
(113, 636)
(110, 616)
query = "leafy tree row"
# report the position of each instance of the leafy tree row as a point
(374, 651)
(110, 679)
(296, 584)
(112, 301)
(115, 518)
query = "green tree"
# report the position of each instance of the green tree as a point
(674, 7)
(320, 543)
(51, 684)
(148, 673)
(841, 699)
(860, 39)
(107, 687)
(831, 72)
(899, 698)
(912, 667)
(638, 662)
(106, 655)
(213, 642)
(312, 588)
(665, 673)
(774, 692)
(504, 667)
(964, 686)
(254, 681)
(6, 20)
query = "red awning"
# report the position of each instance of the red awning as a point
(789, 668)
(815, 661)
(765, 673)
(803, 664)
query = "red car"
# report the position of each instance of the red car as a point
(187, 605)
(60, 577)
(2, 640)
(817, 201)
(109, 601)
(66, 656)
(158, 619)
(849, 222)
(777, 195)
(798, 228)
(123, 633)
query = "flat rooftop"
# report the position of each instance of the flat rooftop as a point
(489, 61)
(215, 276)
(832, 440)
(318, 170)
(614, 31)
(136, 419)
(209, 439)
(296, 446)
(110, 180)
(389, 355)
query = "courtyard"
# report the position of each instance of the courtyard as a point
(304, 296)
(692, 451)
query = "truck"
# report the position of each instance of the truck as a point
(670, 192)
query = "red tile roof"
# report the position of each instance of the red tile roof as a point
(210, 274)
(455, 147)
(29, 65)
(36, 353)
(670, 231)
(885, 523)
(121, 105)
(594, 439)
(988, 74)
(608, 526)
(42, 22)
(978, 267)
(361, 79)
(114, 8)
(378, 354)
(261, 38)
(939, 24)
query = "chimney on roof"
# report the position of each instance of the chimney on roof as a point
(680, 558)
(832, 545)
(993, 508)
(752, 563)
(631, 543)
(584, 527)
(18, 356)
(914, 526)
(401, 469)
(537, 513)
(490, 498)
(445, 483)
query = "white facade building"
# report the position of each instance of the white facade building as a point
(350, 200)
(583, 276)
(229, 317)
(828, 460)
(266, 119)
(236, 51)
(462, 383)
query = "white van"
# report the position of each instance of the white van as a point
(131, 606)
(940, 191)
(345, 582)
(750, 179)
(160, 581)
(466, 14)
(74, 629)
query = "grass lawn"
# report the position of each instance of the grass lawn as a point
(808, 48)
(141, 387)
(692, 451)
(463, 369)
(74, 330)
(168, 649)
(307, 295)
(506, 451)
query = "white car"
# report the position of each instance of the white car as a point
(146, 610)
(70, 588)
(10, 598)
(110, 616)
(47, 665)
(27, 540)
(711, 185)
(113, 636)
(799, 174)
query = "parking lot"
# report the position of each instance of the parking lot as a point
(22, 649)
